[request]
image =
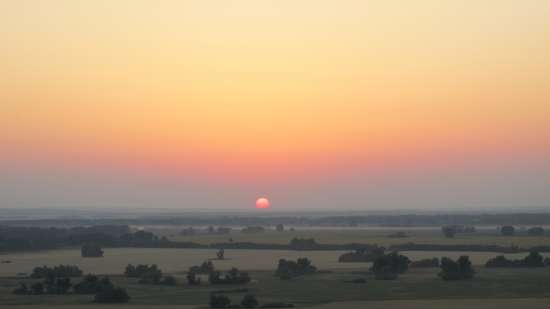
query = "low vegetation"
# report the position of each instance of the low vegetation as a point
(287, 269)
(456, 270)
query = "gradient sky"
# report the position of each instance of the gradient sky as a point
(315, 104)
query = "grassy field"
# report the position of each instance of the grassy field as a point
(512, 303)
(368, 236)
(179, 260)
(322, 288)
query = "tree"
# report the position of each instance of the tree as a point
(220, 254)
(249, 301)
(287, 269)
(21, 290)
(389, 266)
(449, 231)
(534, 259)
(192, 279)
(507, 230)
(112, 295)
(219, 301)
(37, 288)
(280, 228)
(92, 284)
(460, 270)
(535, 231)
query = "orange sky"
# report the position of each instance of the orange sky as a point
(248, 89)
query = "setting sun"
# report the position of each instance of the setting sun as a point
(262, 203)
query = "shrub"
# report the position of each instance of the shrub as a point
(57, 271)
(192, 279)
(92, 284)
(507, 230)
(460, 270)
(288, 269)
(389, 266)
(205, 268)
(535, 231)
(21, 289)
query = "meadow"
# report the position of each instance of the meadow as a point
(179, 260)
(380, 236)
(331, 288)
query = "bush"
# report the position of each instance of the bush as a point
(534, 259)
(460, 270)
(92, 284)
(288, 269)
(37, 288)
(205, 268)
(507, 230)
(112, 295)
(219, 301)
(535, 231)
(21, 289)
(57, 271)
(389, 266)
(192, 279)
(249, 301)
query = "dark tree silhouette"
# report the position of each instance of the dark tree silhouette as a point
(460, 270)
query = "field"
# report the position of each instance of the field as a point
(532, 303)
(380, 236)
(179, 260)
(331, 288)
(323, 288)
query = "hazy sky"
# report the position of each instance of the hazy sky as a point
(315, 104)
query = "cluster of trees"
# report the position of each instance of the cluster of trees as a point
(248, 301)
(205, 268)
(288, 269)
(148, 274)
(103, 289)
(534, 259)
(389, 266)
(456, 270)
(91, 250)
(362, 255)
(233, 276)
(56, 271)
(425, 263)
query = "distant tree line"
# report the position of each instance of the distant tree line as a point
(534, 259)
(148, 274)
(405, 220)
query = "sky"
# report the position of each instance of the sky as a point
(205, 104)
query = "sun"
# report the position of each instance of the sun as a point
(262, 203)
